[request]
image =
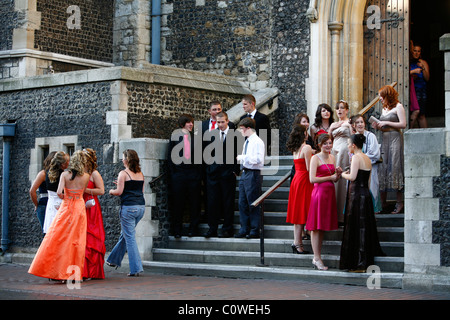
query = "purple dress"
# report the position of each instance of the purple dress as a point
(322, 213)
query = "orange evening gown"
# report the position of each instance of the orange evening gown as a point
(299, 194)
(61, 254)
(95, 239)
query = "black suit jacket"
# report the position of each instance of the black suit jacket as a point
(262, 122)
(227, 163)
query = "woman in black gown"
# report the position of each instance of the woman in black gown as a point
(360, 240)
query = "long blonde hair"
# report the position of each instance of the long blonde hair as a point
(76, 164)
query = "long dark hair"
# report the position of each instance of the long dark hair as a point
(318, 119)
(296, 138)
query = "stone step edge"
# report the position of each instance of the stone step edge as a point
(255, 254)
(387, 279)
(271, 241)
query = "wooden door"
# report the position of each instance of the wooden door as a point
(386, 49)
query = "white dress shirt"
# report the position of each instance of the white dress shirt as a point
(254, 157)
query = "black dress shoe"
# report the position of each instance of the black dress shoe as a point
(240, 235)
(210, 234)
(252, 236)
(226, 234)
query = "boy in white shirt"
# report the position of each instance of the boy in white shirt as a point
(250, 183)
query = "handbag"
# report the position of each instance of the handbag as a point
(91, 202)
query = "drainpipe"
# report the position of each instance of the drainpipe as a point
(156, 31)
(7, 131)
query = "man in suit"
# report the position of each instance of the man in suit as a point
(210, 124)
(185, 176)
(262, 121)
(221, 177)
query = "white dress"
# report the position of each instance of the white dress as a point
(52, 208)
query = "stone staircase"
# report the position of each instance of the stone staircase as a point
(241, 258)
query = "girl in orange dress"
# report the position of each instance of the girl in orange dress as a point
(62, 252)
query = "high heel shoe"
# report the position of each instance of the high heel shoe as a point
(112, 265)
(319, 265)
(133, 275)
(398, 208)
(296, 247)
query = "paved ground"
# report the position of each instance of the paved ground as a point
(17, 284)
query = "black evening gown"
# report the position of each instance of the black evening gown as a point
(360, 242)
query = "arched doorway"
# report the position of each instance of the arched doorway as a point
(428, 22)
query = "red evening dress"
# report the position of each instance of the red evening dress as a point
(61, 254)
(299, 194)
(322, 213)
(95, 239)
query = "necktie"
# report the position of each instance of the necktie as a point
(213, 124)
(223, 136)
(187, 147)
(245, 152)
(249, 115)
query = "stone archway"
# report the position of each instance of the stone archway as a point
(337, 60)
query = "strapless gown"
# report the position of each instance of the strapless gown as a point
(299, 194)
(61, 254)
(95, 239)
(360, 238)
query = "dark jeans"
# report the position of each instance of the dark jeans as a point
(250, 189)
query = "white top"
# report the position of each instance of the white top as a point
(254, 157)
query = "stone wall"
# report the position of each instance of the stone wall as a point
(441, 228)
(92, 40)
(154, 108)
(9, 20)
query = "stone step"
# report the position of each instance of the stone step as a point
(389, 264)
(286, 232)
(372, 280)
(391, 249)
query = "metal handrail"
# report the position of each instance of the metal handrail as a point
(374, 101)
(259, 201)
(156, 179)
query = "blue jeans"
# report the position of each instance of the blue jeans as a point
(129, 218)
(40, 213)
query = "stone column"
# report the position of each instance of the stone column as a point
(335, 28)
(131, 33)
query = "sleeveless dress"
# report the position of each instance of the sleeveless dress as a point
(53, 201)
(340, 152)
(299, 194)
(360, 238)
(322, 209)
(390, 173)
(61, 254)
(95, 239)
